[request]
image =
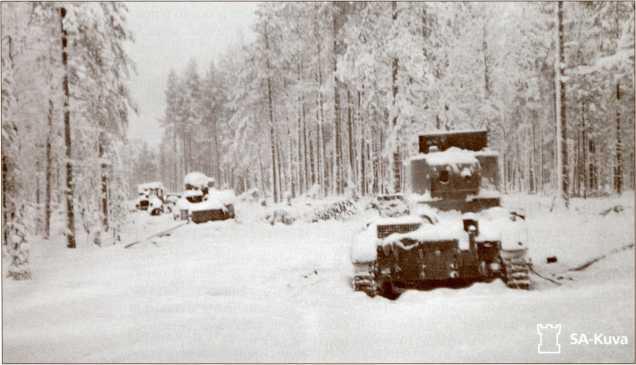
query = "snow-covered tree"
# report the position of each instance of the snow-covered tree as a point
(71, 106)
(331, 94)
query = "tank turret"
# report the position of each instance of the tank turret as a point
(455, 170)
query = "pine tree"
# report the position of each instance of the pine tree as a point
(70, 209)
(15, 237)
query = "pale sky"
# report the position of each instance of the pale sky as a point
(167, 35)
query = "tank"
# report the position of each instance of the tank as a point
(202, 202)
(147, 194)
(453, 231)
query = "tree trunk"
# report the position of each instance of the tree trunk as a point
(484, 49)
(210, 147)
(49, 174)
(273, 147)
(312, 163)
(217, 153)
(306, 157)
(618, 174)
(338, 184)
(290, 166)
(299, 175)
(7, 185)
(541, 170)
(280, 173)
(104, 186)
(532, 173)
(320, 170)
(191, 164)
(562, 107)
(397, 161)
(618, 170)
(70, 212)
(352, 176)
(271, 121)
(381, 170)
(305, 140)
(375, 155)
(184, 137)
(633, 171)
(261, 175)
(175, 179)
(301, 161)
(363, 163)
(361, 134)
(317, 142)
(321, 125)
(576, 191)
(586, 172)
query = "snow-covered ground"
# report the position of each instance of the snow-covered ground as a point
(248, 291)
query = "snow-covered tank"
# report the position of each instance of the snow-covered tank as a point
(146, 191)
(203, 202)
(454, 230)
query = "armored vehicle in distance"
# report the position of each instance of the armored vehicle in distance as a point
(202, 202)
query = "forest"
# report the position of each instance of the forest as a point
(333, 95)
(65, 110)
(328, 98)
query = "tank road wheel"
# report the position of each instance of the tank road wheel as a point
(516, 269)
(366, 284)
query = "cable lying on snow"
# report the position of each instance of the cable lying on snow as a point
(158, 234)
(589, 263)
(584, 265)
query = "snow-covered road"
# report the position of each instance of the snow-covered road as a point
(247, 291)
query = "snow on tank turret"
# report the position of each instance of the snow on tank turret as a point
(454, 229)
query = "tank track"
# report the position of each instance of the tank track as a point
(365, 284)
(516, 269)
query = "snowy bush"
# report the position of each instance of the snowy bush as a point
(390, 207)
(615, 209)
(306, 211)
(338, 210)
(280, 216)
(251, 196)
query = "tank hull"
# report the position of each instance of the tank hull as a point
(432, 262)
(202, 216)
(446, 249)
